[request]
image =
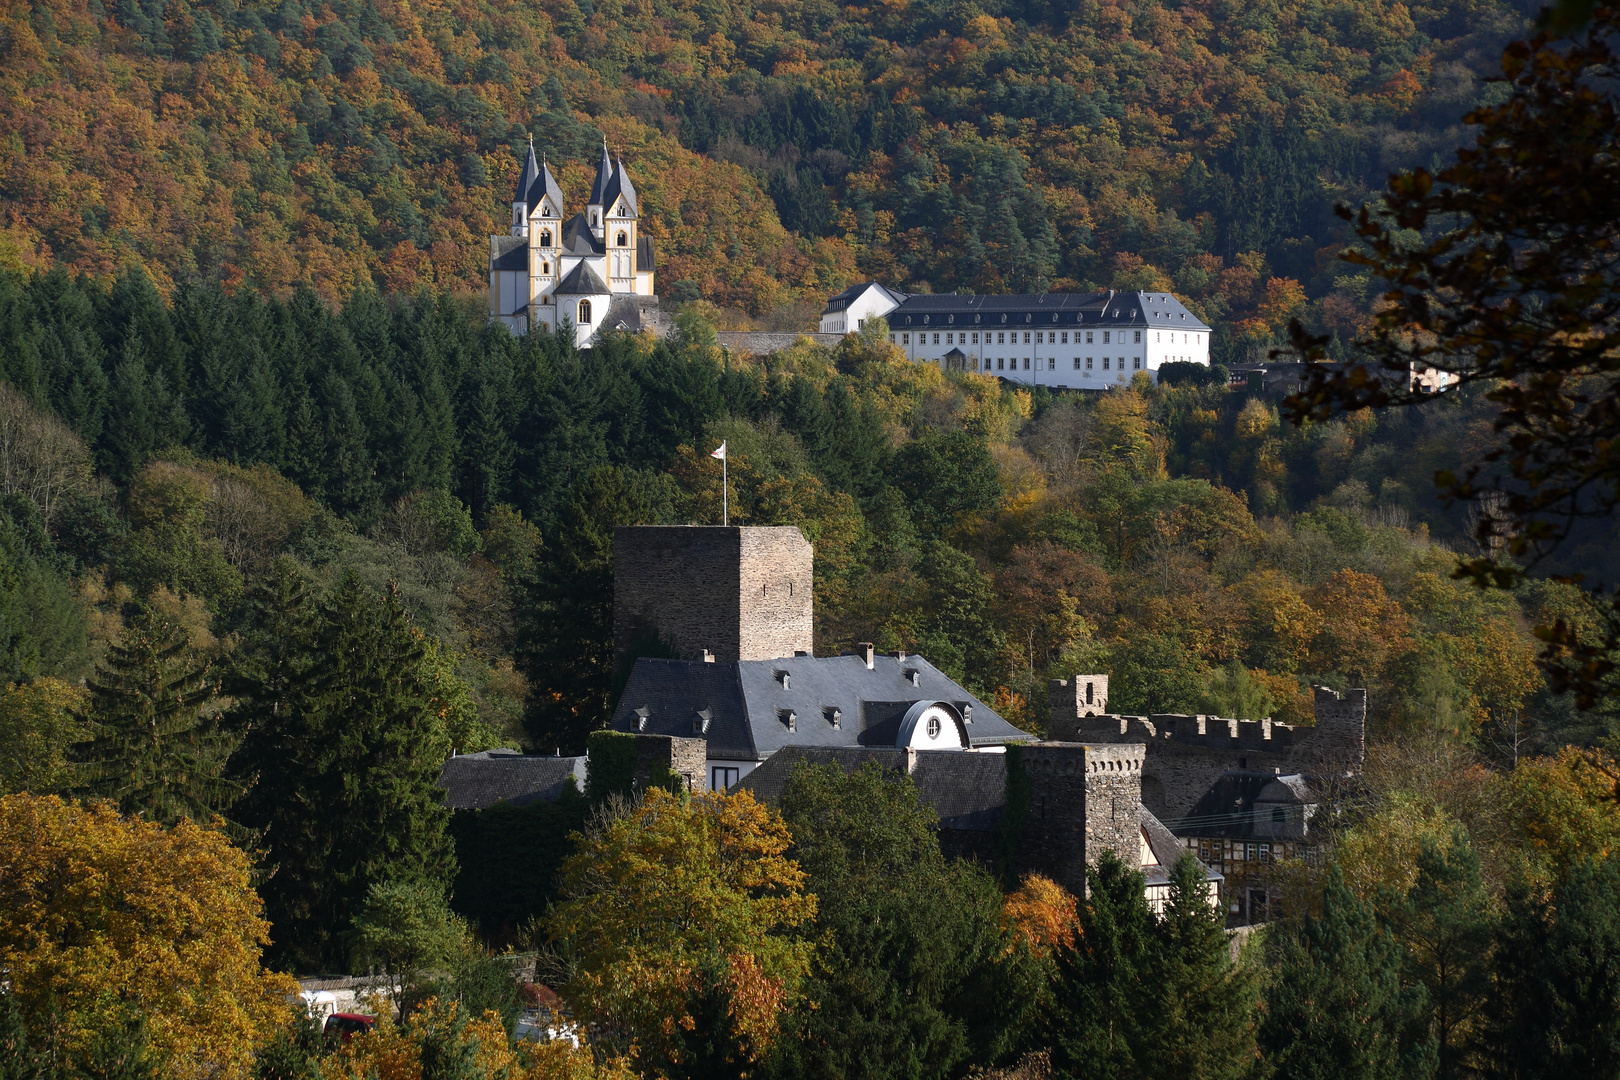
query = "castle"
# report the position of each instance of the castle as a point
(589, 271)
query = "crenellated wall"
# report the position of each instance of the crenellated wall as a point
(1187, 754)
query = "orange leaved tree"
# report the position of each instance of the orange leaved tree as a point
(675, 923)
(101, 916)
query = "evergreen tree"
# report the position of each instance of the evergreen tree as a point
(896, 995)
(1554, 1007)
(345, 741)
(1336, 1008)
(156, 745)
(1203, 1025)
(18, 1059)
(1104, 1001)
(1444, 922)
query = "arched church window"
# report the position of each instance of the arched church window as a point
(593, 217)
(623, 238)
(545, 238)
(584, 312)
(545, 268)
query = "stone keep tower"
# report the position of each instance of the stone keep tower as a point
(1081, 696)
(738, 593)
(1084, 799)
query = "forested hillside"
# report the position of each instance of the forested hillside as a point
(1180, 538)
(781, 149)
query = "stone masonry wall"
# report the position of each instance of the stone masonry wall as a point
(687, 758)
(743, 593)
(1069, 700)
(1187, 754)
(1084, 799)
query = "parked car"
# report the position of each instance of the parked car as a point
(345, 1026)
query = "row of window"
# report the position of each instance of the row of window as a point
(1051, 337)
(1051, 363)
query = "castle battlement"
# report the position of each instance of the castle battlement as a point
(1186, 753)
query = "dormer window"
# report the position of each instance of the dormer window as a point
(786, 679)
(641, 718)
(834, 715)
(913, 676)
(700, 721)
(789, 718)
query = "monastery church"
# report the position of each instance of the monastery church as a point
(592, 270)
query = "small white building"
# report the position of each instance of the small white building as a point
(1087, 341)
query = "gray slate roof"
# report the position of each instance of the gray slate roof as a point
(544, 184)
(604, 175)
(1109, 309)
(747, 703)
(1239, 805)
(479, 781)
(839, 301)
(646, 252)
(581, 281)
(509, 253)
(577, 238)
(621, 185)
(526, 178)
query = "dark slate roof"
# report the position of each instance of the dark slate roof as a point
(581, 281)
(526, 178)
(748, 704)
(545, 184)
(604, 175)
(577, 238)
(509, 253)
(1229, 807)
(966, 790)
(479, 781)
(839, 301)
(1130, 309)
(646, 253)
(621, 185)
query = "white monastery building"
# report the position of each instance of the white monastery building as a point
(1062, 340)
(592, 270)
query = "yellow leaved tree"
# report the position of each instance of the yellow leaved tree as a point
(102, 915)
(675, 923)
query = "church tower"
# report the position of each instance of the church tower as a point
(619, 235)
(595, 209)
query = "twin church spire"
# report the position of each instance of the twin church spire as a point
(612, 193)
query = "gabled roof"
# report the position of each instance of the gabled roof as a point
(840, 301)
(479, 781)
(619, 186)
(577, 238)
(752, 715)
(581, 281)
(545, 184)
(1239, 804)
(604, 174)
(526, 178)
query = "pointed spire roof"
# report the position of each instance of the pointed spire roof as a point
(531, 170)
(546, 184)
(604, 175)
(621, 185)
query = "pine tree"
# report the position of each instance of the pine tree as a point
(155, 747)
(344, 744)
(1444, 922)
(1104, 1000)
(19, 1060)
(1203, 1027)
(1336, 1008)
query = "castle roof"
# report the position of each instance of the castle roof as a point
(604, 174)
(750, 711)
(508, 253)
(1142, 310)
(479, 781)
(581, 281)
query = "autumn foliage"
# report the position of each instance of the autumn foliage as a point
(98, 910)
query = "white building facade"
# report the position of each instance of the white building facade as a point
(593, 270)
(1087, 341)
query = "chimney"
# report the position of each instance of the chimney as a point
(708, 657)
(863, 649)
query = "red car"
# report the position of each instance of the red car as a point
(346, 1026)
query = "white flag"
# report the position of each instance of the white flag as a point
(720, 453)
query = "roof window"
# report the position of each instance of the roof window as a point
(786, 679)
(834, 715)
(700, 721)
(789, 718)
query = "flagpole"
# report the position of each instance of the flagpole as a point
(725, 496)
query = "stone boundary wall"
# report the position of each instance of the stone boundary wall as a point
(686, 758)
(1187, 754)
(763, 342)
